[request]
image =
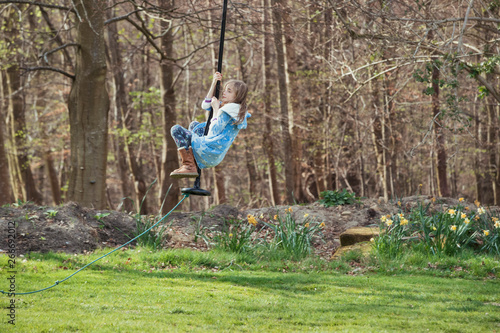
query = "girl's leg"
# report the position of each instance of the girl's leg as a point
(181, 136)
(193, 125)
(199, 131)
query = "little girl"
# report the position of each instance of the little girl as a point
(229, 116)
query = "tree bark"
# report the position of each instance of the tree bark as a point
(443, 188)
(283, 93)
(16, 94)
(123, 153)
(6, 194)
(88, 109)
(169, 150)
(267, 140)
(294, 95)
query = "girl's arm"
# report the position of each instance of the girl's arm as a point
(211, 91)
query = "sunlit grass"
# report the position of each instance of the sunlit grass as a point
(183, 290)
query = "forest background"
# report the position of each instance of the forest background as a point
(383, 98)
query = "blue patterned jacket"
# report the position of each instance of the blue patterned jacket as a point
(210, 150)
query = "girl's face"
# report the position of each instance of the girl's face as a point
(229, 94)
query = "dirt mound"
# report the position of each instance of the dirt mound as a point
(69, 228)
(74, 229)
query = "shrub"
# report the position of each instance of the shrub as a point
(335, 198)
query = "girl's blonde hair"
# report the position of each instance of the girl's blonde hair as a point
(241, 90)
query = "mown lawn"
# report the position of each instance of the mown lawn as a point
(112, 298)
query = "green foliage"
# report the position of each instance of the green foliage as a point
(448, 232)
(51, 213)
(99, 217)
(235, 236)
(335, 198)
(155, 237)
(294, 238)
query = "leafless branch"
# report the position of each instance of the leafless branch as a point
(48, 68)
(39, 4)
(45, 54)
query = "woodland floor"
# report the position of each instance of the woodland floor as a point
(75, 229)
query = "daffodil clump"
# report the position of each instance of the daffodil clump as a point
(293, 235)
(235, 235)
(448, 231)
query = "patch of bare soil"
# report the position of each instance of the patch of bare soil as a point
(75, 229)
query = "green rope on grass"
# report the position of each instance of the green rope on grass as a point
(130, 241)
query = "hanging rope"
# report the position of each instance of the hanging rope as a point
(90, 263)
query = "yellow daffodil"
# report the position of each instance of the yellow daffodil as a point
(481, 211)
(466, 221)
(461, 199)
(306, 215)
(497, 224)
(306, 225)
(252, 220)
(433, 199)
(388, 223)
(463, 215)
(477, 217)
(420, 185)
(453, 227)
(322, 224)
(451, 212)
(434, 228)
(477, 203)
(486, 232)
(230, 235)
(466, 208)
(383, 218)
(275, 217)
(404, 222)
(399, 203)
(261, 216)
(494, 219)
(401, 215)
(290, 209)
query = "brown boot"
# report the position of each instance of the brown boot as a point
(188, 168)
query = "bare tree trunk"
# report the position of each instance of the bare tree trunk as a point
(16, 94)
(283, 93)
(88, 109)
(294, 96)
(53, 179)
(119, 104)
(443, 188)
(6, 195)
(267, 140)
(378, 137)
(169, 152)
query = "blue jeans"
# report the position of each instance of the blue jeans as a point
(182, 136)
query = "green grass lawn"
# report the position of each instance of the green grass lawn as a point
(121, 294)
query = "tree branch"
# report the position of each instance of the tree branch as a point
(36, 4)
(120, 18)
(48, 68)
(45, 54)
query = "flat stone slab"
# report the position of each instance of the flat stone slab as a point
(358, 235)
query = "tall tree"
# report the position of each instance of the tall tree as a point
(16, 93)
(88, 108)
(169, 159)
(283, 93)
(268, 84)
(6, 195)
